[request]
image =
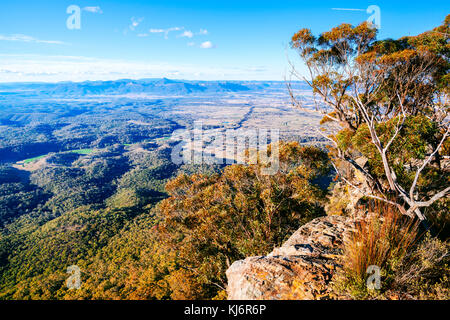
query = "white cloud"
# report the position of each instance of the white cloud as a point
(191, 44)
(187, 34)
(25, 38)
(95, 9)
(166, 35)
(207, 45)
(347, 9)
(135, 23)
(157, 30)
(166, 31)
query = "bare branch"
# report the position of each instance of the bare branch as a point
(416, 177)
(433, 199)
(402, 210)
(398, 127)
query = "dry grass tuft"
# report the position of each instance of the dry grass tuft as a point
(383, 239)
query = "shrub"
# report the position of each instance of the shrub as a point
(209, 221)
(425, 272)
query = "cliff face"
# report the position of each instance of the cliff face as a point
(301, 268)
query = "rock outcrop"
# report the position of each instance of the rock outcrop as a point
(300, 269)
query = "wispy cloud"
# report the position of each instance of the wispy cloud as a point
(25, 38)
(95, 9)
(166, 31)
(207, 45)
(135, 22)
(187, 34)
(347, 9)
(190, 34)
(157, 30)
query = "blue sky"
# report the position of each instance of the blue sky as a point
(241, 40)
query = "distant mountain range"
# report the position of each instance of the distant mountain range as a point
(162, 86)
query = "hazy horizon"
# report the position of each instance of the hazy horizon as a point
(145, 79)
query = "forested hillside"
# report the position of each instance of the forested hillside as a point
(68, 210)
(128, 248)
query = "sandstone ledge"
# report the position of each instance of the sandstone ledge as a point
(300, 269)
